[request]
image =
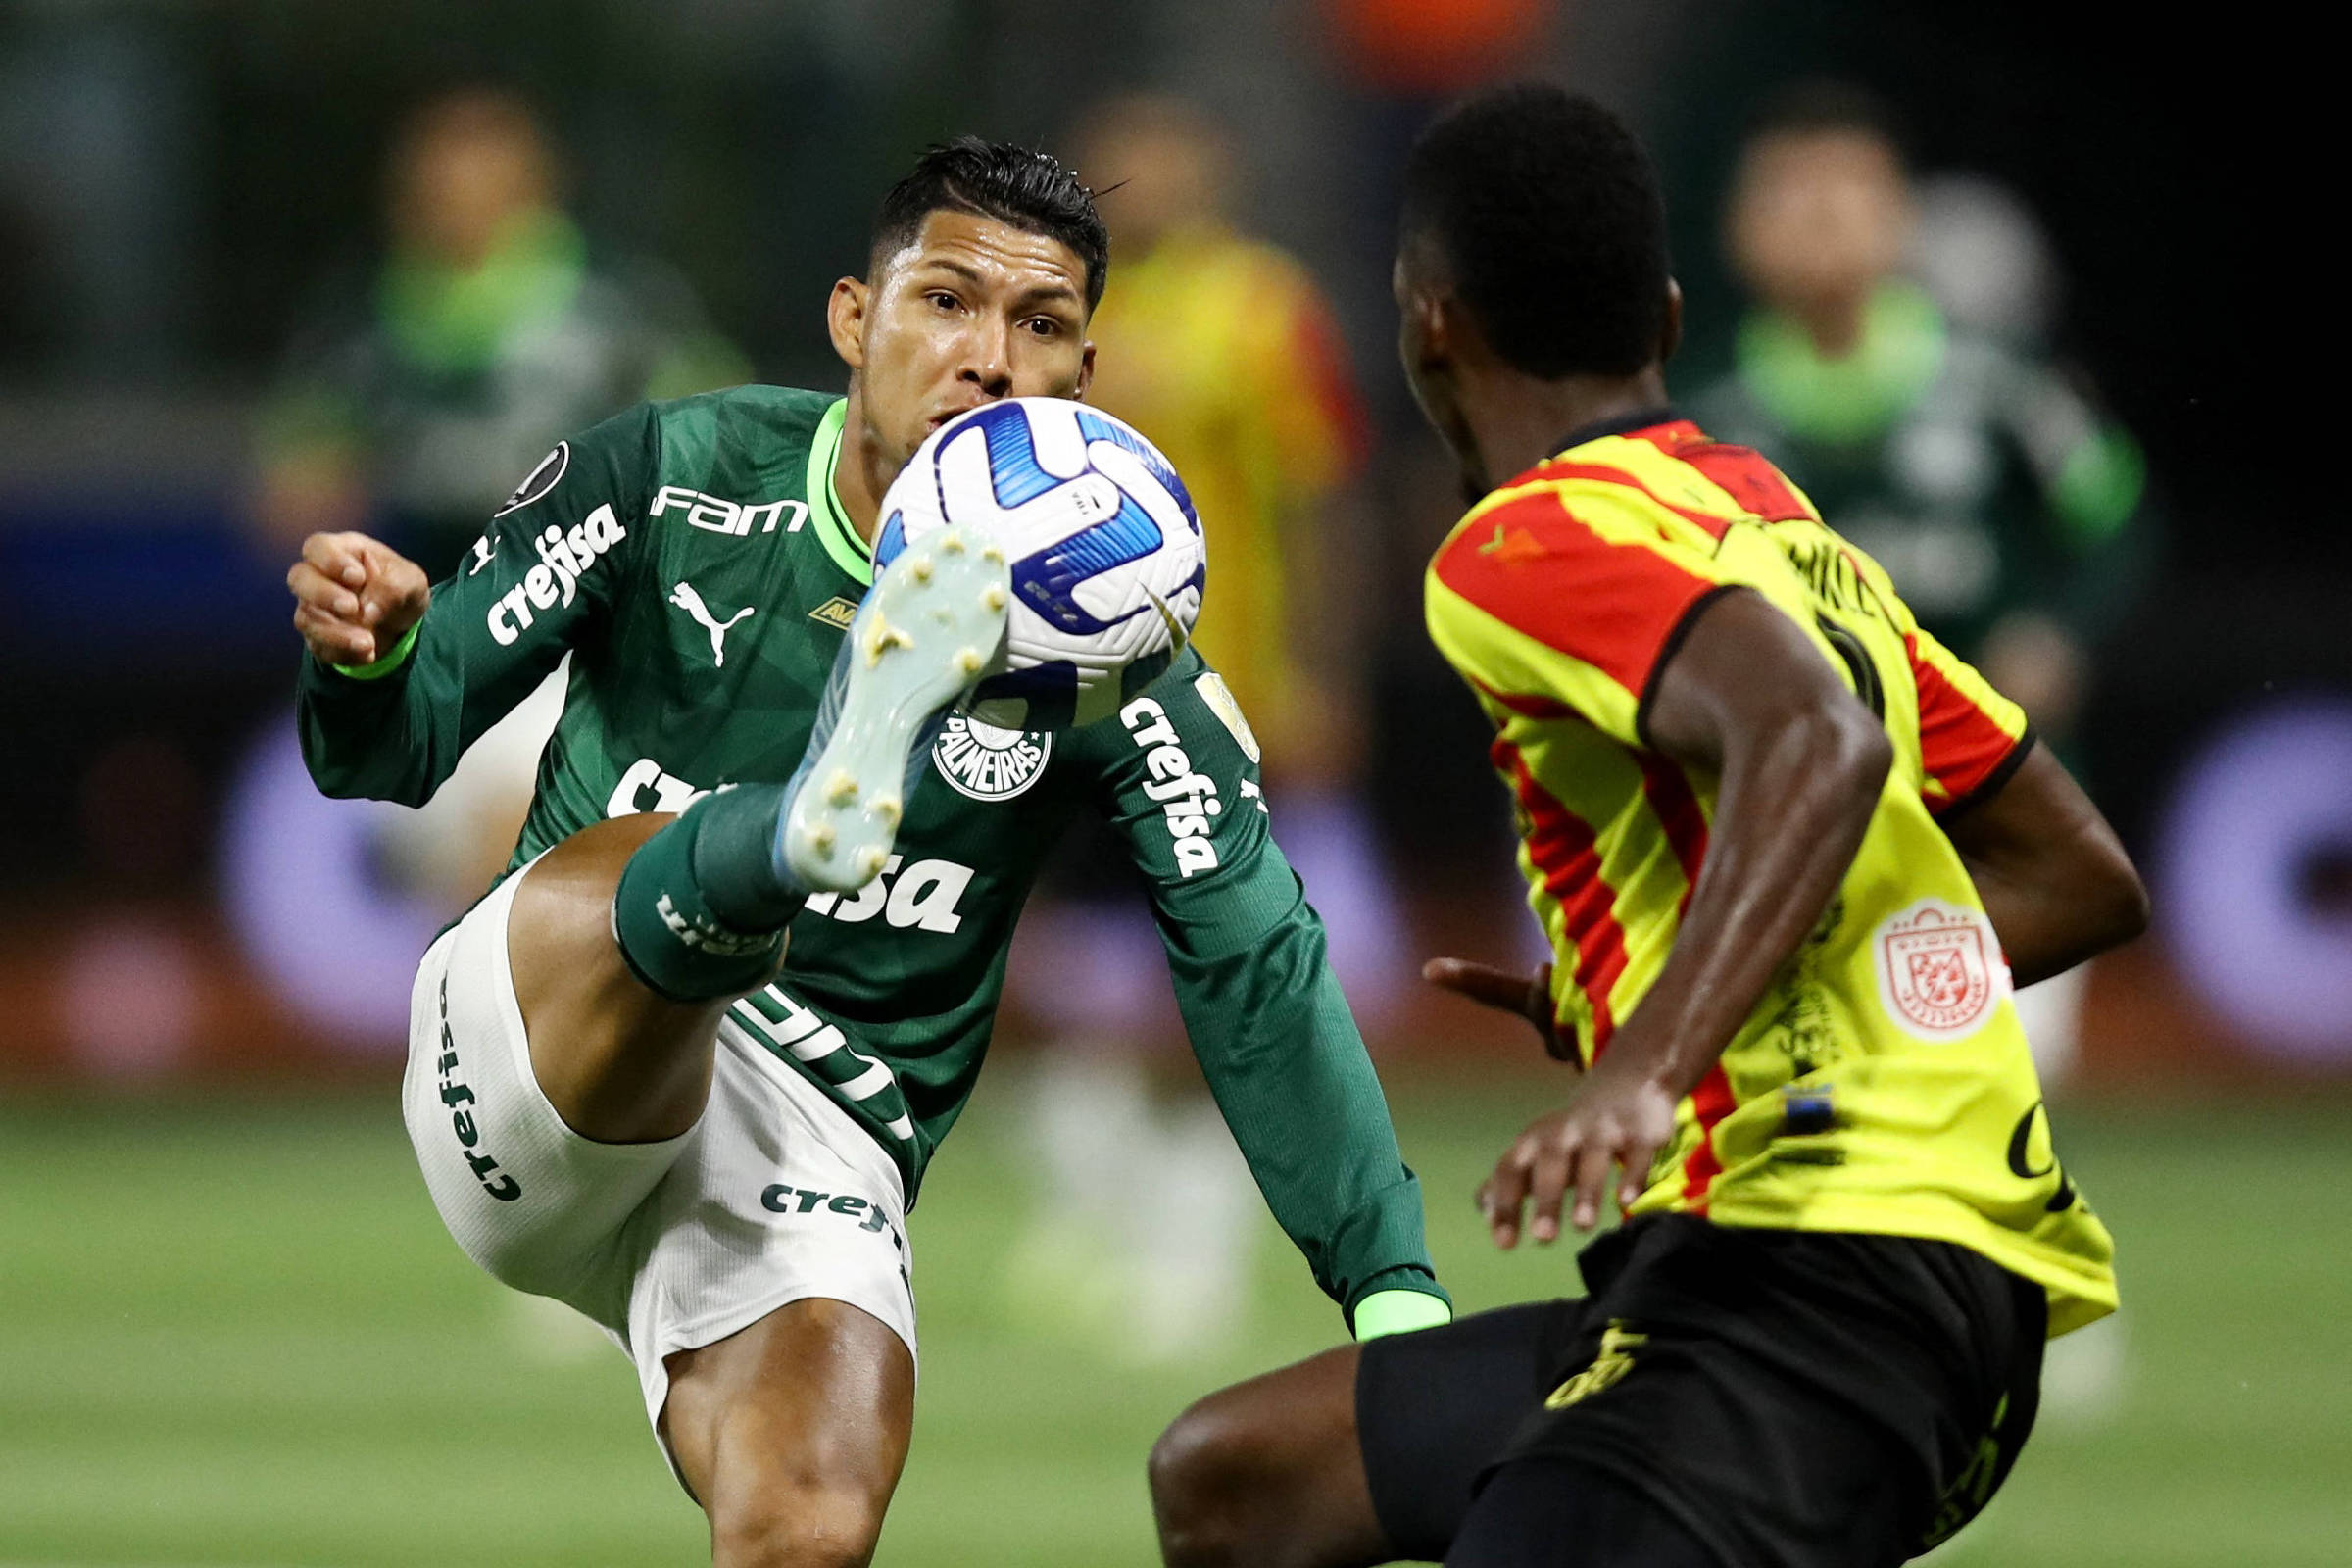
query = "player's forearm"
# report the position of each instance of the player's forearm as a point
(1790, 813)
(361, 739)
(2041, 932)
(1291, 1075)
(2050, 872)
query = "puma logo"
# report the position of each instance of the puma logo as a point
(685, 598)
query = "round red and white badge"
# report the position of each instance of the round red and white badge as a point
(1941, 972)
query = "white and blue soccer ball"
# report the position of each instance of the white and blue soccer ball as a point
(1106, 550)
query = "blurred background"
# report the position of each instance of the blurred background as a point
(2010, 294)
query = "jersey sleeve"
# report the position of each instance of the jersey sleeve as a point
(1540, 609)
(1970, 738)
(538, 582)
(1178, 778)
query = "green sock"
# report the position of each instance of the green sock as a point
(701, 910)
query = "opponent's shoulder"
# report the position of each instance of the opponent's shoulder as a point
(1566, 536)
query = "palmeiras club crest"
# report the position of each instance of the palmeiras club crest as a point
(1939, 971)
(986, 762)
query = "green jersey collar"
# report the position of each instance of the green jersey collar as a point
(849, 552)
(1859, 397)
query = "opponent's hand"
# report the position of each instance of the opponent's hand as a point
(353, 596)
(1528, 996)
(1617, 1119)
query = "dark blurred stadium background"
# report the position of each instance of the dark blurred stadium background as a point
(230, 1331)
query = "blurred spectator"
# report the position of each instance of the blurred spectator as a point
(2007, 510)
(486, 334)
(1223, 351)
(1926, 431)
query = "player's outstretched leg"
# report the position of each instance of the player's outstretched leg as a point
(700, 908)
(629, 938)
(930, 628)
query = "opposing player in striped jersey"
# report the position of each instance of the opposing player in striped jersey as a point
(1789, 853)
(623, 1090)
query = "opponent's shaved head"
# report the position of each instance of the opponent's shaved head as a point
(1546, 215)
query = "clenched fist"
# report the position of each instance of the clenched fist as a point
(353, 596)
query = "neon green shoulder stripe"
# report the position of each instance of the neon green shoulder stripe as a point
(833, 530)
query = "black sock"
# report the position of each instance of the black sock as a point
(702, 908)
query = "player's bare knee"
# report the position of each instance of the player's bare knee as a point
(796, 1525)
(564, 895)
(619, 1064)
(1211, 1475)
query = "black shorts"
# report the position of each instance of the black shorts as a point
(1795, 1399)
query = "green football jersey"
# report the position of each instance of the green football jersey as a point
(692, 559)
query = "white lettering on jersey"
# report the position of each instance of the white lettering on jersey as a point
(986, 762)
(565, 556)
(1189, 798)
(734, 519)
(671, 794)
(685, 598)
(923, 897)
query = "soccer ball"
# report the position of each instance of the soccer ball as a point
(1106, 550)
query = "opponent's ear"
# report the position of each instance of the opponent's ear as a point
(845, 321)
(1672, 337)
(1085, 371)
(1444, 328)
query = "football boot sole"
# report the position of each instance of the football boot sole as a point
(925, 635)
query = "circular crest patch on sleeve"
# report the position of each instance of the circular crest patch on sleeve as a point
(540, 480)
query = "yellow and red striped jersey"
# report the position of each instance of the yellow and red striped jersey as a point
(1881, 1084)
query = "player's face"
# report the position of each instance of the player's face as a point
(975, 310)
(1818, 219)
(1426, 330)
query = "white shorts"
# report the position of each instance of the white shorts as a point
(774, 1196)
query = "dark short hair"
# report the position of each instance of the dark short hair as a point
(1824, 108)
(1030, 190)
(1547, 214)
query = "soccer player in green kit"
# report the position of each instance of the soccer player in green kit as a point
(625, 1093)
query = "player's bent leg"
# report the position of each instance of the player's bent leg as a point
(928, 630)
(1551, 1513)
(1269, 1473)
(621, 1063)
(1363, 1454)
(792, 1433)
(632, 937)
(525, 1192)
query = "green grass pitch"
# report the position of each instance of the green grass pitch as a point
(232, 1333)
